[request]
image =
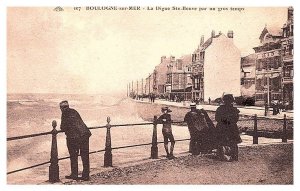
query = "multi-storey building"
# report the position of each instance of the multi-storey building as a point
(216, 67)
(161, 73)
(248, 75)
(287, 52)
(149, 85)
(268, 66)
(274, 63)
(179, 81)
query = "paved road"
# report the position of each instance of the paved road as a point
(249, 110)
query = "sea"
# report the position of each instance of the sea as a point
(34, 113)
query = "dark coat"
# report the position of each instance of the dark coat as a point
(227, 117)
(165, 119)
(195, 121)
(73, 125)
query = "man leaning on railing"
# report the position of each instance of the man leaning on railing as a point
(78, 136)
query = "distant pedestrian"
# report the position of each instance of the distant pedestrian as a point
(275, 107)
(165, 119)
(77, 135)
(227, 130)
(280, 105)
(197, 126)
(209, 100)
(286, 105)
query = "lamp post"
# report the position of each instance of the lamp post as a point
(129, 89)
(137, 89)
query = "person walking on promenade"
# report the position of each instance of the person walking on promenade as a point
(77, 135)
(209, 100)
(197, 126)
(227, 130)
(165, 119)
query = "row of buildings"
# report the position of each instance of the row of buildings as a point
(216, 66)
(268, 73)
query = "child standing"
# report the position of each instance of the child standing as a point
(165, 119)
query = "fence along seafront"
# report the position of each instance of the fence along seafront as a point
(108, 159)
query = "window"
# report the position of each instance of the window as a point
(176, 78)
(259, 85)
(275, 84)
(197, 83)
(259, 65)
(193, 57)
(291, 49)
(286, 72)
(259, 96)
(284, 32)
(179, 66)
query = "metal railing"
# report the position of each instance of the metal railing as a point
(54, 167)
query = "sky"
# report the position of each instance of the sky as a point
(102, 51)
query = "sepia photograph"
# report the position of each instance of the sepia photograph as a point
(150, 95)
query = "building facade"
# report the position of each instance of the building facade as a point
(161, 74)
(248, 75)
(274, 64)
(149, 85)
(216, 67)
(179, 82)
(268, 66)
(287, 50)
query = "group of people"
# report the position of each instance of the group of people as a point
(205, 137)
(152, 97)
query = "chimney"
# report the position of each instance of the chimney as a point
(202, 40)
(172, 58)
(162, 59)
(290, 14)
(230, 34)
(213, 34)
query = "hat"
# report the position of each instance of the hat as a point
(228, 98)
(64, 104)
(193, 105)
(165, 109)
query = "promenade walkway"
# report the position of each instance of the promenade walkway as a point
(246, 110)
(258, 164)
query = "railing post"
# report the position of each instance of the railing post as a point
(154, 149)
(284, 136)
(255, 136)
(54, 168)
(108, 154)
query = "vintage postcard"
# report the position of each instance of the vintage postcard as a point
(150, 95)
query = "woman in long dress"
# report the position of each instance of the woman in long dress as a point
(227, 130)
